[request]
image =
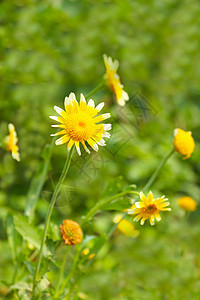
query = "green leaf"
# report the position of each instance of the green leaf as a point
(87, 239)
(42, 286)
(98, 242)
(115, 186)
(119, 204)
(38, 182)
(53, 232)
(13, 237)
(29, 233)
(22, 286)
(29, 267)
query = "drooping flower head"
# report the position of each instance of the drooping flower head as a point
(81, 123)
(71, 232)
(183, 142)
(125, 227)
(114, 80)
(149, 208)
(187, 203)
(11, 142)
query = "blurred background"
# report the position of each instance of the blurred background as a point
(51, 48)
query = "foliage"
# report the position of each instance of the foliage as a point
(51, 48)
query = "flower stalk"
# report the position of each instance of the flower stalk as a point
(61, 272)
(155, 174)
(47, 221)
(103, 202)
(96, 89)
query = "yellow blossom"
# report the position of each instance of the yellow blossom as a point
(11, 142)
(80, 123)
(71, 232)
(85, 251)
(114, 80)
(125, 226)
(91, 256)
(183, 142)
(149, 208)
(187, 203)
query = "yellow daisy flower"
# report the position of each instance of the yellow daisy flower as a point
(183, 142)
(114, 80)
(11, 142)
(187, 203)
(80, 123)
(149, 208)
(125, 226)
(71, 232)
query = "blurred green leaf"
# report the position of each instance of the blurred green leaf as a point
(119, 204)
(115, 185)
(13, 237)
(29, 233)
(22, 286)
(98, 243)
(53, 232)
(42, 286)
(38, 182)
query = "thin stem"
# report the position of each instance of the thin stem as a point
(113, 228)
(37, 183)
(50, 210)
(90, 214)
(99, 204)
(95, 90)
(155, 174)
(78, 250)
(147, 185)
(61, 272)
(15, 273)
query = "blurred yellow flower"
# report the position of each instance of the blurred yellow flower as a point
(149, 208)
(91, 256)
(125, 226)
(187, 203)
(71, 232)
(11, 142)
(85, 251)
(183, 142)
(80, 123)
(114, 80)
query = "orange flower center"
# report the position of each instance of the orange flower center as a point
(151, 208)
(80, 126)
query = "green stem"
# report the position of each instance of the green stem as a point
(50, 210)
(61, 272)
(90, 214)
(155, 174)
(147, 185)
(99, 204)
(38, 182)
(95, 90)
(78, 250)
(15, 273)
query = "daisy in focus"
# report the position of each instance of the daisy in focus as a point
(81, 123)
(183, 142)
(71, 232)
(149, 208)
(11, 142)
(114, 80)
(187, 203)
